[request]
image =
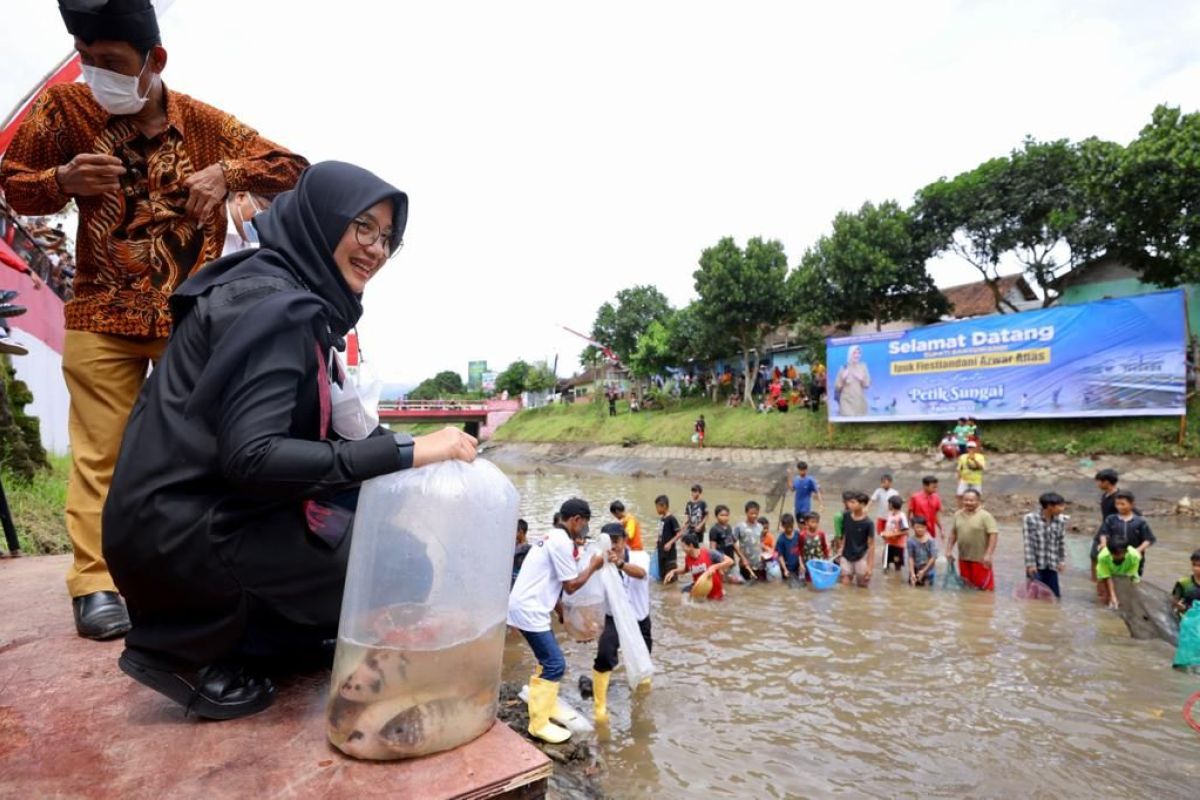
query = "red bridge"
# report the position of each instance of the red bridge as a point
(473, 416)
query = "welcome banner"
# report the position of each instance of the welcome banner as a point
(1111, 358)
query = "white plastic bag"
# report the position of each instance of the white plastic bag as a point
(355, 404)
(633, 648)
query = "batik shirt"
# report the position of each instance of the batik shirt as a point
(134, 246)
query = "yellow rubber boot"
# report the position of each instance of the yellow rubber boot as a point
(543, 696)
(600, 695)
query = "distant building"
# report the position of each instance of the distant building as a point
(1108, 276)
(978, 300)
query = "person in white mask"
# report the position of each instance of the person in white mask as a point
(150, 169)
(240, 208)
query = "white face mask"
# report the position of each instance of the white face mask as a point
(233, 241)
(355, 404)
(116, 93)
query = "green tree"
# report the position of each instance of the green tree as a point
(653, 352)
(540, 378)
(871, 268)
(514, 379)
(1149, 192)
(445, 383)
(1033, 205)
(744, 291)
(619, 326)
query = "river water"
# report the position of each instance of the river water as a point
(889, 691)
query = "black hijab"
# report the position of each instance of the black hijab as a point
(298, 235)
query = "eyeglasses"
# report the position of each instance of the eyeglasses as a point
(367, 232)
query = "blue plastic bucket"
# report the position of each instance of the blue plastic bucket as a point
(823, 574)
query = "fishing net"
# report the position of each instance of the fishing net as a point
(950, 577)
(1032, 589)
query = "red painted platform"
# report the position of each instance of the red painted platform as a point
(72, 725)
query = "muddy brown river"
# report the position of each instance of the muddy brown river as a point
(891, 691)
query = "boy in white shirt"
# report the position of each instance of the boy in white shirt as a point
(880, 498)
(548, 570)
(634, 566)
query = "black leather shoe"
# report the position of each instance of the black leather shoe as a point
(218, 691)
(11, 310)
(8, 295)
(100, 616)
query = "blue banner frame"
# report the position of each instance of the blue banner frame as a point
(1111, 358)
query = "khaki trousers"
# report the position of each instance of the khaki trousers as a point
(104, 374)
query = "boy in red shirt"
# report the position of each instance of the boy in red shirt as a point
(926, 503)
(700, 561)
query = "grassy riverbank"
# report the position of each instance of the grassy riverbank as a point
(37, 508)
(740, 427)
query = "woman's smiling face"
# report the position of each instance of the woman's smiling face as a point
(356, 261)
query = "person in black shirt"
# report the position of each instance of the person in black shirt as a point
(696, 512)
(720, 535)
(668, 535)
(1129, 525)
(856, 546)
(1106, 481)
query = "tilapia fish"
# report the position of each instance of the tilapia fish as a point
(379, 676)
(387, 729)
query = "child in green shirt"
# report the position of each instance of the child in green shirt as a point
(1118, 559)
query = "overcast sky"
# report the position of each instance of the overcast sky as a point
(557, 152)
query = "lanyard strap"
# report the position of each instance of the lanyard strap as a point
(323, 393)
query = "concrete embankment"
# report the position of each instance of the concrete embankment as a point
(1159, 484)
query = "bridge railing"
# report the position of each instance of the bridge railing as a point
(430, 405)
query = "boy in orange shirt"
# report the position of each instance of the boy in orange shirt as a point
(633, 529)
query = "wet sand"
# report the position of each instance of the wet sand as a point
(889, 691)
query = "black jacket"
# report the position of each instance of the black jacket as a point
(204, 527)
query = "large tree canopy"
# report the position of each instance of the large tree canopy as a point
(1149, 192)
(745, 292)
(871, 268)
(446, 382)
(619, 326)
(1033, 205)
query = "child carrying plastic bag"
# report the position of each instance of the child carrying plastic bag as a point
(1187, 652)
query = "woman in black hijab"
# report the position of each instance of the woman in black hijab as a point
(227, 524)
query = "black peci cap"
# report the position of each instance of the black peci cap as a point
(575, 508)
(132, 21)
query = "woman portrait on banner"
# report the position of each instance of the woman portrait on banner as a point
(851, 385)
(229, 520)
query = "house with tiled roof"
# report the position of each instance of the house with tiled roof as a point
(978, 299)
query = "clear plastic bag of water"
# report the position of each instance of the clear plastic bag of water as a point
(421, 635)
